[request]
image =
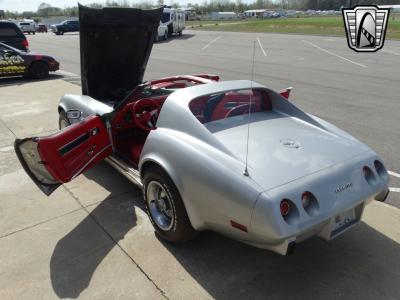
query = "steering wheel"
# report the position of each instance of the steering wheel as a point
(145, 114)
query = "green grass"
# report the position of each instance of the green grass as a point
(329, 26)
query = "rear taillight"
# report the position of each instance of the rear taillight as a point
(310, 203)
(25, 43)
(369, 175)
(289, 211)
(285, 207)
(380, 169)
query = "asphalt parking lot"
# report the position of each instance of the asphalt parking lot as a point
(91, 239)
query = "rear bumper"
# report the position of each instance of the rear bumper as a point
(323, 229)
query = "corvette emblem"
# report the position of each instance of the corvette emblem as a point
(365, 27)
(290, 144)
(343, 187)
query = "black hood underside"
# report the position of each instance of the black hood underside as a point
(115, 45)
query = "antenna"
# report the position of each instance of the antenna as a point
(246, 171)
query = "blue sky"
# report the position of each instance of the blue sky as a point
(31, 5)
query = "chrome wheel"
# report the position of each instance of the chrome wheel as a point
(160, 205)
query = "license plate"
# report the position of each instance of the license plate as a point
(342, 221)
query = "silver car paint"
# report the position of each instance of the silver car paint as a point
(207, 167)
(85, 104)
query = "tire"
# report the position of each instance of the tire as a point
(179, 229)
(165, 35)
(180, 33)
(33, 32)
(156, 39)
(63, 120)
(39, 70)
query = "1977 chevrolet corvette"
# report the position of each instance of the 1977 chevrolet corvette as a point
(230, 156)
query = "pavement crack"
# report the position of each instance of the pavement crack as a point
(40, 223)
(6, 126)
(162, 292)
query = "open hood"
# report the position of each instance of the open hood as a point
(115, 45)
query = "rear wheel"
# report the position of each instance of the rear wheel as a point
(165, 207)
(39, 70)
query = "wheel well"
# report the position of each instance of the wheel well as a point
(150, 164)
(60, 109)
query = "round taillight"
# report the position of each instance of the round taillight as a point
(306, 199)
(285, 207)
(369, 175)
(380, 169)
(289, 212)
(310, 203)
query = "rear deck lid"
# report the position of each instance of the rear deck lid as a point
(115, 45)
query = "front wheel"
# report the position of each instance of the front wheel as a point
(165, 207)
(63, 120)
(39, 70)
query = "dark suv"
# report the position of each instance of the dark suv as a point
(11, 35)
(65, 26)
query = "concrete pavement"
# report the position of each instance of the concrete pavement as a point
(92, 240)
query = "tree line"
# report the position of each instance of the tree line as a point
(45, 10)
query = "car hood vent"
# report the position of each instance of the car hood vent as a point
(115, 45)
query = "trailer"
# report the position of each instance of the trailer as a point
(172, 22)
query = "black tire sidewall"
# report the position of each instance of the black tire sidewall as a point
(62, 116)
(36, 65)
(181, 230)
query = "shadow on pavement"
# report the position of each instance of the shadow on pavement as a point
(19, 80)
(78, 254)
(360, 264)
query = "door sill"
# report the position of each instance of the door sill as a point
(128, 171)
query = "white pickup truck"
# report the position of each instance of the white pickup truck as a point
(172, 22)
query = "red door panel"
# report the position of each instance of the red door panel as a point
(59, 158)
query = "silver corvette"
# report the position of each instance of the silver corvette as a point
(234, 157)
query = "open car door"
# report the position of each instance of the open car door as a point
(59, 158)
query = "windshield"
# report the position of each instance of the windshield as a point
(229, 104)
(166, 17)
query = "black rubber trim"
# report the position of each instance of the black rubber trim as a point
(73, 144)
(382, 196)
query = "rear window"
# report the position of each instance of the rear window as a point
(229, 104)
(7, 29)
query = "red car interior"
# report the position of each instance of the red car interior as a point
(215, 107)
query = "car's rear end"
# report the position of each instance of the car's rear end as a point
(325, 203)
(11, 35)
